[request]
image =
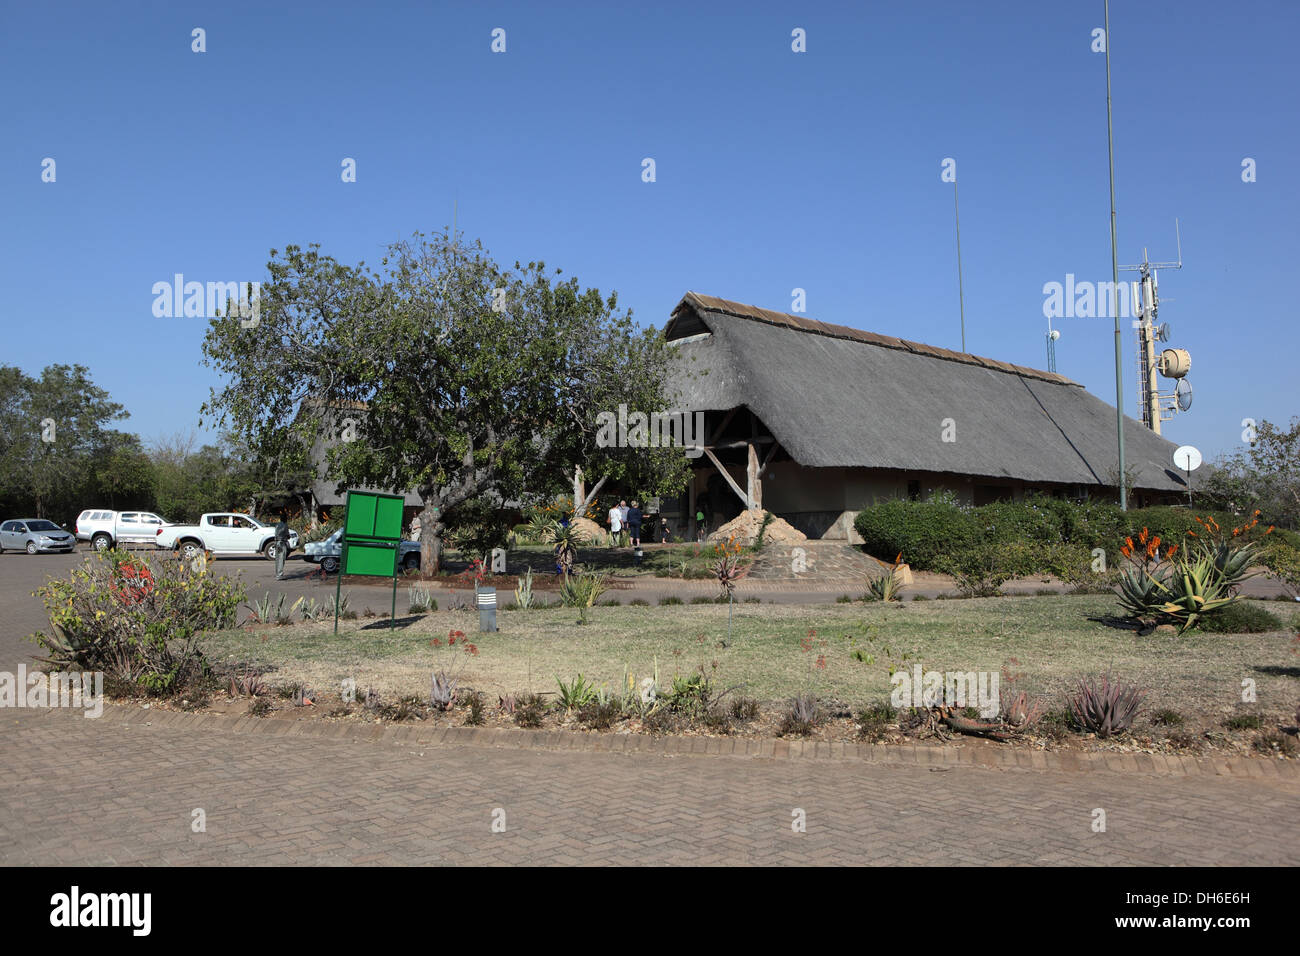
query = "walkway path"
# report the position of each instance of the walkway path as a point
(123, 790)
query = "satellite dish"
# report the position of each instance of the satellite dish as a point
(1163, 332)
(1183, 394)
(1187, 457)
(1055, 334)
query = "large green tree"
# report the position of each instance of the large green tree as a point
(1264, 475)
(440, 373)
(52, 429)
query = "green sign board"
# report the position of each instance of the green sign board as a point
(372, 533)
(377, 558)
(373, 517)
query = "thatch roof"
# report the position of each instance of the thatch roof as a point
(834, 396)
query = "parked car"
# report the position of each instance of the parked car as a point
(328, 552)
(223, 533)
(33, 535)
(107, 529)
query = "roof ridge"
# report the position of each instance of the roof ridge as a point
(753, 313)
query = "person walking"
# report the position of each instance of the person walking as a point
(615, 525)
(622, 513)
(634, 518)
(281, 545)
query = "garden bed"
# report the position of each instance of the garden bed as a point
(1041, 645)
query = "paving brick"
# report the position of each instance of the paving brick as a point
(318, 798)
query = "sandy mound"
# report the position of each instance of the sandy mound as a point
(588, 530)
(744, 528)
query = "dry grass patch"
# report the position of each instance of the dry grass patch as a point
(1048, 641)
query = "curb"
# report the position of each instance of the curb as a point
(977, 755)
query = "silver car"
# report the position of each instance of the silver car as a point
(329, 551)
(34, 535)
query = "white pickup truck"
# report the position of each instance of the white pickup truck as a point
(222, 533)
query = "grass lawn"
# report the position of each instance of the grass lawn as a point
(658, 560)
(1049, 641)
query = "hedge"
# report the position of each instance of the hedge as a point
(932, 535)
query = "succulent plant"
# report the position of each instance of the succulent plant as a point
(1107, 709)
(442, 691)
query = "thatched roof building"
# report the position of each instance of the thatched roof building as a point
(815, 422)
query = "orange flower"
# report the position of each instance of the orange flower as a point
(1126, 551)
(1129, 541)
(1173, 549)
(1143, 536)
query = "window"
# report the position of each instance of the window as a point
(42, 526)
(913, 491)
(219, 521)
(237, 521)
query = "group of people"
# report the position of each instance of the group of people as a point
(625, 520)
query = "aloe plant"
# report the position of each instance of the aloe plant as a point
(1194, 588)
(524, 591)
(1106, 709)
(576, 694)
(1140, 592)
(442, 691)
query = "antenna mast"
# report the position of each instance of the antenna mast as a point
(1173, 363)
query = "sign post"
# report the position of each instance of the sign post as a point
(372, 535)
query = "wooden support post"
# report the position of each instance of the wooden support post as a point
(731, 481)
(754, 482)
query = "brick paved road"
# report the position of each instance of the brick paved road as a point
(109, 791)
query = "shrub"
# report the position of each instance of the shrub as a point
(921, 530)
(140, 622)
(744, 708)
(1272, 743)
(670, 600)
(600, 714)
(689, 696)
(979, 571)
(1282, 560)
(802, 717)
(1244, 722)
(473, 699)
(1242, 618)
(1165, 717)
(874, 719)
(529, 709)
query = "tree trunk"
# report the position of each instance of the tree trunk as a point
(430, 539)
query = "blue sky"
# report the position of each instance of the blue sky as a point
(775, 170)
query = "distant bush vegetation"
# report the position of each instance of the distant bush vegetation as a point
(1039, 535)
